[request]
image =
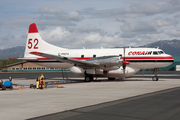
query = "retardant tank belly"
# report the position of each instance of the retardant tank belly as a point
(113, 73)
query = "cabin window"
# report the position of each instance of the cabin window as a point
(82, 56)
(160, 52)
(155, 53)
(94, 56)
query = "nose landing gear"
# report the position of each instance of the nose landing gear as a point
(155, 77)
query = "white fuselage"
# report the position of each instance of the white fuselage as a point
(138, 58)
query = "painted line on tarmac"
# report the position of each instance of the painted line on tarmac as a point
(157, 75)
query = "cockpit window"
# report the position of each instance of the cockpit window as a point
(155, 53)
(160, 52)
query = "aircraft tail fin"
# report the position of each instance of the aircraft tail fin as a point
(35, 43)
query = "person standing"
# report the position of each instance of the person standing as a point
(10, 78)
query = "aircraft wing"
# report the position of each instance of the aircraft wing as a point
(83, 64)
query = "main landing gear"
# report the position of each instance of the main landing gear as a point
(155, 77)
(88, 78)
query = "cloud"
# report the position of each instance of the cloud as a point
(76, 39)
(159, 22)
(1, 23)
(18, 22)
(43, 19)
(134, 28)
(55, 35)
(89, 29)
(175, 32)
(9, 41)
(177, 16)
(47, 10)
(56, 15)
(95, 40)
(90, 24)
(135, 10)
(73, 15)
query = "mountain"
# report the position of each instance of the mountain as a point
(12, 52)
(171, 47)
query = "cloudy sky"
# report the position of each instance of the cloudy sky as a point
(90, 23)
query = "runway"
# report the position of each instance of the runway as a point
(130, 99)
(162, 105)
(49, 75)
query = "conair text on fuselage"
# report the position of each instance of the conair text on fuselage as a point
(140, 53)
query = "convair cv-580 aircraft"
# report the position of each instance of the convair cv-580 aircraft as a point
(110, 63)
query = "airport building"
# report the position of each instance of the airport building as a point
(30, 67)
(26, 67)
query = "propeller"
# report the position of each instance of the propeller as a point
(124, 64)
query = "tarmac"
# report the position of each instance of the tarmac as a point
(131, 99)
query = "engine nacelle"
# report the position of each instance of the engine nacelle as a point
(107, 62)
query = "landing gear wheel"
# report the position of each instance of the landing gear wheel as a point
(4, 88)
(155, 78)
(88, 78)
(111, 78)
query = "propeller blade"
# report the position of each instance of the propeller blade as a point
(124, 53)
(123, 73)
(124, 66)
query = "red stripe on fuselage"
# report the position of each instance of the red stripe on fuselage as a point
(86, 58)
(148, 58)
(127, 58)
(131, 58)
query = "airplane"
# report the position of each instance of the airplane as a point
(90, 63)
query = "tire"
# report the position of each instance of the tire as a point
(4, 88)
(111, 78)
(155, 78)
(88, 78)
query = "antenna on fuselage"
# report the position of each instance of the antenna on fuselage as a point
(157, 47)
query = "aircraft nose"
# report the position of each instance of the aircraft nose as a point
(170, 58)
